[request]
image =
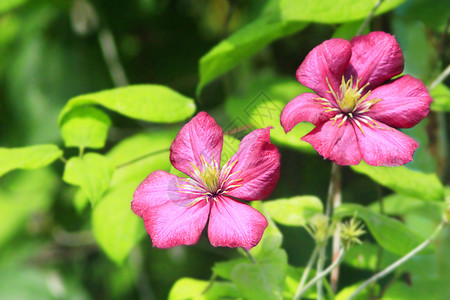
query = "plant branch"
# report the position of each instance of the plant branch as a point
(250, 256)
(399, 262)
(305, 274)
(110, 54)
(324, 273)
(440, 78)
(369, 17)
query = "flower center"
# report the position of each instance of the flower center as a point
(210, 177)
(352, 104)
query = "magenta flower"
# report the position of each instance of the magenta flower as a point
(175, 209)
(358, 104)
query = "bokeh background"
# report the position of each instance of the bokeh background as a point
(51, 51)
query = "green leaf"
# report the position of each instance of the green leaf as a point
(261, 106)
(224, 268)
(348, 30)
(331, 11)
(92, 172)
(116, 228)
(137, 156)
(189, 288)
(262, 280)
(7, 5)
(429, 289)
(345, 293)
(150, 102)
(405, 181)
(294, 211)
(85, 127)
(22, 195)
(389, 233)
(32, 157)
(441, 98)
(241, 45)
(364, 257)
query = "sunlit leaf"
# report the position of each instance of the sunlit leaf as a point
(241, 45)
(224, 268)
(31, 157)
(365, 256)
(85, 126)
(263, 280)
(152, 103)
(261, 106)
(294, 211)
(441, 98)
(348, 30)
(345, 293)
(190, 288)
(115, 226)
(92, 172)
(405, 181)
(7, 5)
(429, 289)
(331, 11)
(389, 233)
(23, 195)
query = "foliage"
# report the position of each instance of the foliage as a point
(75, 144)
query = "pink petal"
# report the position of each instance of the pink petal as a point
(171, 225)
(257, 169)
(304, 108)
(385, 146)
(235, 224)
(405, 102)
(376, 57)
(328, 60)
(158, 188)
(200, 137)
(338, 144)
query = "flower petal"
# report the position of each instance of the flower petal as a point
(304, 108)
(328, 60)
(405, 102)
(257, 169)
(161, 187)
(385, 146)
(336, 143)
(171, 225)
(235, 224)
(376, 57)
(202, 136)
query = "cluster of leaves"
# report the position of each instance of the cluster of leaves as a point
(103, 144)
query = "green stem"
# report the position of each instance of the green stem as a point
(250, 255)
(440, 78)
(369, 17)
(305, 274)
(319, 277)
(399, 262)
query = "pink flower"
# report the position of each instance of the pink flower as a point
(358, 103)
(175, 209)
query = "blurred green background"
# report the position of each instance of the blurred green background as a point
(54, 50)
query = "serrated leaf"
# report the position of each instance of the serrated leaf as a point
(194, 289)
(262, 280)
(32, 157)
(405, 181)
(331, 11)
(389, 233)
(149, 102)
(241, 45)
(116, 228)
(92, 172)
(85, 127)
(295, 211)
